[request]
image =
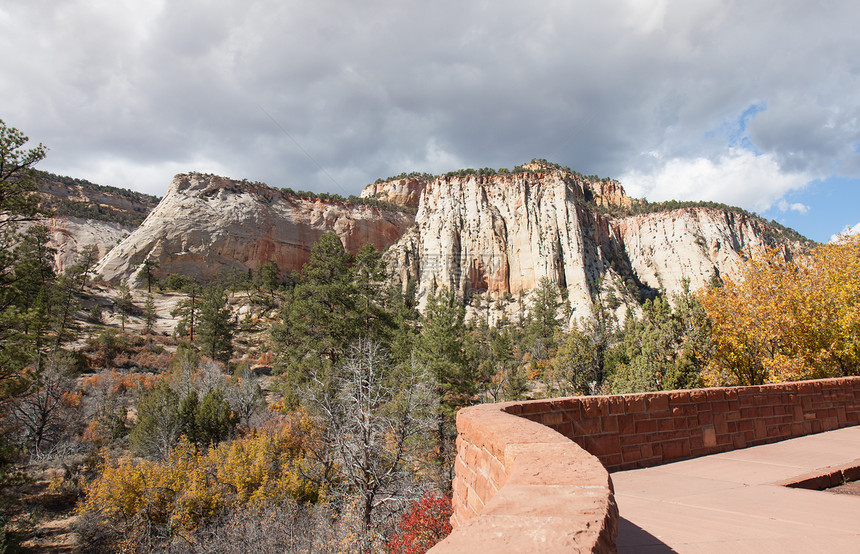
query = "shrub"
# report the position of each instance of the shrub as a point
(426, 523)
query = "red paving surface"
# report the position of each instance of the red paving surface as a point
(731, 502)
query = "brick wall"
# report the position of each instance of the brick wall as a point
(532, 476)
(521, 487)
(639, 430)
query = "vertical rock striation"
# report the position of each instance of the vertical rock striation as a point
(498, 235)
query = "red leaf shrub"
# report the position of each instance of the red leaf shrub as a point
(426, 523)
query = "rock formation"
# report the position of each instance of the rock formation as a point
(87, 214)
(404, 191)
(206, 223)
(497, 235)
(70, 234)
(483, 235)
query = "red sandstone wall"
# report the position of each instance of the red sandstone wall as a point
(521, 487)
(640, 430)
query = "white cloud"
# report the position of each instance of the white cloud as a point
(784, 206)
(848, 230)
(738, 177)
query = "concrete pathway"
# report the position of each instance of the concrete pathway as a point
(731, 502)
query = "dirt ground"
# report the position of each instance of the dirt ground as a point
(41, 518)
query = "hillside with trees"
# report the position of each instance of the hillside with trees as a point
(314, 411)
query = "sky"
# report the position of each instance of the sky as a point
(752, 103)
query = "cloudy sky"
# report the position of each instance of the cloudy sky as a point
(752, 103)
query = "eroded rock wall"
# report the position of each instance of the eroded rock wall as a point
(498, 236)
(206, 223)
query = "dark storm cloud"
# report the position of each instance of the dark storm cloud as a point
(129, 93)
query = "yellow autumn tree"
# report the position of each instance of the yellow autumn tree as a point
(138, 499)
(787, 320)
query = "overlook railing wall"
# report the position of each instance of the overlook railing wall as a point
(539, 482)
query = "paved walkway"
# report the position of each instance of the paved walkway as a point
(730, 502)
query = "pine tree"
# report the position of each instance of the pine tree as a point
(337, 300)
(442, 348)
(216, 325)
(187, 312)
(84, 264)
(149, 315)
(124, 304)
(542, 322)
(147, 271)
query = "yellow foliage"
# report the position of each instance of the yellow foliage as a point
(787, 320)
(193, 485)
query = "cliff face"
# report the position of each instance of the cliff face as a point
(499, 235)
(206, 223)
(404, 192)
(665, 248)
(87, 214)
(488, 236)
(70, 234)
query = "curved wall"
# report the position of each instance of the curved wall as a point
(532, 476)
(522, 487)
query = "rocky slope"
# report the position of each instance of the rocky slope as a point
(206, 223)
(497, 235)
(86, 213)
(70, 234)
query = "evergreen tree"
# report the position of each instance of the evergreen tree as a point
(147, 272)
(66, 304)
(442, 349)
(269, 277)
(216, 325)
(149, 315)
(158, 425)
(187, 312)
(543, 322)
(667, 348)
(124, 304)
(86, 260)
(337, 300)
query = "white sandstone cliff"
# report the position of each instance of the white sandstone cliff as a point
(497, 236)
(205, 223)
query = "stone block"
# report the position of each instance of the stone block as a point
(627, 424)
(551, 418)
(590, 426)
(667, 424)
(595, 406)
(631, 453)
(609, 424)
(715, 395)
(676, 450)
(615, 404)
(658, 402)
(634, 403)
(602, 445)
(645, 426)
(709, 436)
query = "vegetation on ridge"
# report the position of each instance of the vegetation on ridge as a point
(95, 201)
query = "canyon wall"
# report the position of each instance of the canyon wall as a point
(498, 235)
(206, 223)
(70, 234)
(484, 236)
